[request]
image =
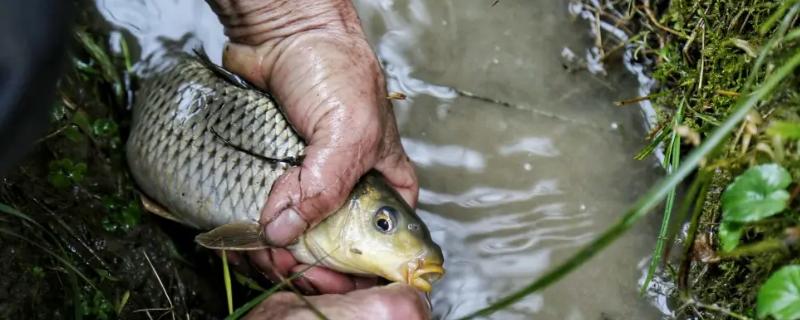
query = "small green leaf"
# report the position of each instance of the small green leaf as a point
(81, 119)
(37, 272)
(64, 173)
(757, 193)
(103, 273)
(121, 216)
(99, 54)
(780, 295)
(790, 130)
(59, 112)
(73, 133)
(729, 234)
(104, 127)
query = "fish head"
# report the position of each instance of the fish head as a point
(388, 238)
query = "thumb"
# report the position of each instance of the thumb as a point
(305, 195)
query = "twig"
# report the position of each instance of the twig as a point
(655, 22)
(625, 102)
(728, 93)
(716, 308)
(598, 40)
(164, 289)
(54, 133)
(702, 56)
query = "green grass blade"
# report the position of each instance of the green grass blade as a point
(648, 149)
(671, 162)
(61, 259)
(14, 212)
(653, 196)
(785, 24)
(241, 311)
(227, 278)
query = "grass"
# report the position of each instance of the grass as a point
(227, 279)
(671, 162)
(70, 218)
(705, 55)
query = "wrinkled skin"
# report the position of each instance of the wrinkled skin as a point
(396, 301)
(312, 55)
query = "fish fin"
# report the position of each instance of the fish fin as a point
(233, 236)
(156, 208)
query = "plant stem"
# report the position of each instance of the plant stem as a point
(227, 278)
(754, 249)
(671, 162)
(716, 308)
(701, 182)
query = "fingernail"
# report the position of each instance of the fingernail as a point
(285, 228)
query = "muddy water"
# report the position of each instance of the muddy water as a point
(511, 186)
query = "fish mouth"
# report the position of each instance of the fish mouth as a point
(422, 275)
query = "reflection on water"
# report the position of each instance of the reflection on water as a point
(507, 192)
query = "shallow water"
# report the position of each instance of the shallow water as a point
(508, 190)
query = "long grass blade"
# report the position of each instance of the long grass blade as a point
(671, 162)
(653, 196)
(227, 278)
(241, 311)
(61, 259)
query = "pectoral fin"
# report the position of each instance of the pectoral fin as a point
(233, 236)
(156, 208)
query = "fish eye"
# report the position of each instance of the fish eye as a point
(385, 218)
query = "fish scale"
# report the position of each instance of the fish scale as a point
(175, 156)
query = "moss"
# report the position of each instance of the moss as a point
(704, 53)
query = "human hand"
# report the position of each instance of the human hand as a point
(395, 301)
(313, 57)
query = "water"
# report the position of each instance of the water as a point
(509, 190)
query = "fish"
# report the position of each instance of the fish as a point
(205, 147)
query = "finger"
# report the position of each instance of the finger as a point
(364, 282)
(234, 258)
(242, 60)
(395, 301)
(305, 286)
(275, 264)
(305, 195)
(400, 174)
(322, 280)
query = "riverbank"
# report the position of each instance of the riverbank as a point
(76, 240)
(704, 56)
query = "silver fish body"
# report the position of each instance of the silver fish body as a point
(182, 149)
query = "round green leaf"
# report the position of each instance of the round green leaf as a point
(757, 193)
(780, 295)
(729, 234)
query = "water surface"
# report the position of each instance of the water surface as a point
(508, 189)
